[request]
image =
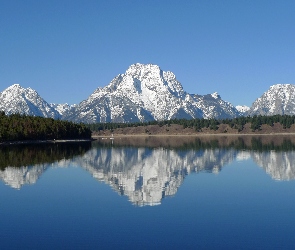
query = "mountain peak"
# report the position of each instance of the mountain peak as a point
(242, 108)
(16, 99)
(142, 67)
(17, 89)
(278, 99)
(215, 95)
(280, 85)
(16, 85)
(145, 92)
(141, 71)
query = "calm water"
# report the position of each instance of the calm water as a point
(169, 193)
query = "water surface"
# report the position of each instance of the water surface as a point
(208, 193)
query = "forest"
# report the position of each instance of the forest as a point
(198, 124)
(23, 127)
(18, 127)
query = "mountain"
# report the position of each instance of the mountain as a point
(279, 99)
(212, 106)
(62, 108)
(16, 99)
(243, 109)
(145, 92)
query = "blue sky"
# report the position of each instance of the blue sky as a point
(66, 49)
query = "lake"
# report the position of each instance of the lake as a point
(222, 192)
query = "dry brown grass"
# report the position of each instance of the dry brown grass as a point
(176, 129)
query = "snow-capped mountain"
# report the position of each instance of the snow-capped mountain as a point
(16, 99)
(62, 108)
(145, 92)
(212, 106)
(242, 109)
(279, 99)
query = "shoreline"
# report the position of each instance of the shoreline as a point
(116, 136)
(24, 142)
(187, 135)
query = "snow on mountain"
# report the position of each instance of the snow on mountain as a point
(212, 106)
(16, 99)
(62, 108)
(242, 108)
(279, 99)
(143, 93)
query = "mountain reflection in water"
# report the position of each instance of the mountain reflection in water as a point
(146, 169)
(24, 164)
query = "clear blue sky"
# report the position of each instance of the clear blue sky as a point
(66, 49)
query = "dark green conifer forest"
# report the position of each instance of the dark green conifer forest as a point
(22, 127)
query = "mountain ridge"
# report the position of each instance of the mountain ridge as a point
(145, 93)
(150, 94)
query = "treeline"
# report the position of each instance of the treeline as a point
(256, 121)
(22, 127)
(198, 124)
